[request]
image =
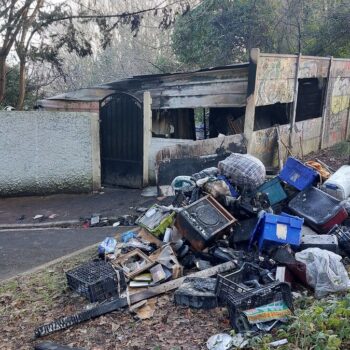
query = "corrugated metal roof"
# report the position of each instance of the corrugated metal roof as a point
(97, 93)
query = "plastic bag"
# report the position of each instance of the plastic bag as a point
(324, 271)
(107, 246)
(183, 184)
(243, 170)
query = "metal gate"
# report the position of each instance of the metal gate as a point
(121, 141)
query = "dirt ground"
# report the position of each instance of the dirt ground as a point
(334, 157)
(32, 300)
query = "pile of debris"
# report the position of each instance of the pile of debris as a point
(232, 236)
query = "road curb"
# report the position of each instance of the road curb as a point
(67, 223)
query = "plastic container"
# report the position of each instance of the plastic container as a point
(240, 282)
(338, 185)
(320, 210)
(197, 293)
(327, 242)
(274, 191)
(96, 281)
(278, 229)
(274, 292)
(156, 220)
(343, 235)
(243, 231)
(298, 175)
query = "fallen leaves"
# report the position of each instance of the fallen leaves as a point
(36, 299)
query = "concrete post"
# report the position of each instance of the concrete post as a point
(250, 106)
(147, 133)
(325, 109)
(295, 102)
(96, 152)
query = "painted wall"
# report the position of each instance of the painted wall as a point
(275, 82)
(306, 139)
(276, 76)
(49, 152)
(337, 122)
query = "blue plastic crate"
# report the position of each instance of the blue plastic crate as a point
(278, 229)
(298, 175)
(274, 191)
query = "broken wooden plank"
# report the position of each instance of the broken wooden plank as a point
(174, 284)
(54, 346)
(116, 304)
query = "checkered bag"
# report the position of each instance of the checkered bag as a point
(243, 170)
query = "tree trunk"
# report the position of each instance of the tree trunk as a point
(22, 83)
(2, 77)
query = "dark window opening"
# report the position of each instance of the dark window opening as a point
(226, 121)
(201, 116)
(174, 124)
(311, 93)
(270, 115)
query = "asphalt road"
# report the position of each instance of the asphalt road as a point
(23, 250)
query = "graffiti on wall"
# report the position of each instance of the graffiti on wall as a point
(340, 96)
(341, 68)
(311, 68)
(308, 69)
(338, 103)
(335, 129)
(275, 81)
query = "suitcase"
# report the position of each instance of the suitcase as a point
(320, 210)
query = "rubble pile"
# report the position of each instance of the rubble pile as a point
(230, 236)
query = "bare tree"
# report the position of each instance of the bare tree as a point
(22, 20)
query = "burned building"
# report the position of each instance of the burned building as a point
(155, 127)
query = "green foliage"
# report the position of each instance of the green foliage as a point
(11, 94)
(322, 326)
(332, 38)
(12, 90)
(223, 32)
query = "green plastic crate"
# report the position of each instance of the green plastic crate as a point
(274, 190)
(159, 223)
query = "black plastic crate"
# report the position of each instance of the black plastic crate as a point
(246, 279)
(273, 292)
(96, 280)
(343, 235)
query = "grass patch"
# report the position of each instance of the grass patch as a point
(318, 325)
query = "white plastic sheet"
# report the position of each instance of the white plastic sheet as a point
(324, 271)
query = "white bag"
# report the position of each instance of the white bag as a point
(324, 271)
